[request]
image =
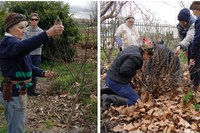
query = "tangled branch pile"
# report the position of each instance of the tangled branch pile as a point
(161, 73)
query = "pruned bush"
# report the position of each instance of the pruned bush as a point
(161, 73)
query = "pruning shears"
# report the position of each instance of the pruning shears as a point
(57, 21)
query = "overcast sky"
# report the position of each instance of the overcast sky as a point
(165, 11)
(80, 8)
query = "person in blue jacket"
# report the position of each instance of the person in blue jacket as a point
(121, 72)
(195, 49)
(17, 68)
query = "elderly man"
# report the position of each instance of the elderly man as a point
(126, 34)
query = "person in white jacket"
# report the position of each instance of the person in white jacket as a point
(126, 34)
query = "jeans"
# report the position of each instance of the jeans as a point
(14, 114)
(123, 90)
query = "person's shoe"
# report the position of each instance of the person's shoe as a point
(118, 100)
(106, 90)
(115, 100)
(106, 102)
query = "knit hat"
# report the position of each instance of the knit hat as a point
(195, 5)
(184, 15)
(147, 46)
(12, 19)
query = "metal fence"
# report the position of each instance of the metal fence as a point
(154, 32)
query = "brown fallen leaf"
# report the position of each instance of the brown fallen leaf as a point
(118, 128)
(183, 122)
(131, 127)
(194, 126)
(150, 112)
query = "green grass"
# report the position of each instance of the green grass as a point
(49, 123)
(68, 74)
(183, 57)
(196, 106)
(3, 129)
(188, 97)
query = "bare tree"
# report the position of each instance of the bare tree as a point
(110, 9)
(94, 9)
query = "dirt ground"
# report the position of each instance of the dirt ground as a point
(49, 113)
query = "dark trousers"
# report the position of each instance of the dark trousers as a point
(36, 61)
(195, 70)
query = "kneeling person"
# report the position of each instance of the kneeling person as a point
(122, 70)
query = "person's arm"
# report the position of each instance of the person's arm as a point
(184, 41)
(118, 41)
(15, 47)
(118, 35)
(41, 73)
(37, 71)
(189, 37)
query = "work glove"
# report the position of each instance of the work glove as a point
(118, 41)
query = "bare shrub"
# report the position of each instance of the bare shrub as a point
(161, 73)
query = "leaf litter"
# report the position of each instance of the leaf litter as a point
(167, 113)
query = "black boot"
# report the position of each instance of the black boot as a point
(106, 90)
(31, 90)
(115, 100)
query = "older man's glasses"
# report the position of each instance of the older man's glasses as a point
(34, 19)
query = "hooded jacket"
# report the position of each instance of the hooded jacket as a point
(186, 34)
(125, 65)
